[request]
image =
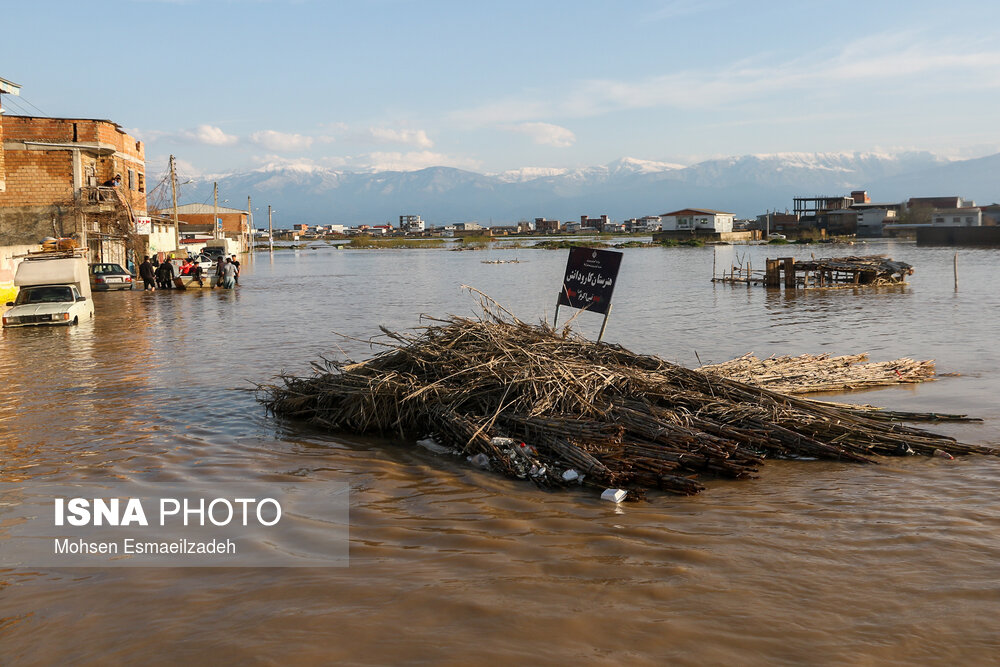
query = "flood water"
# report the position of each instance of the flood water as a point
(814, 562)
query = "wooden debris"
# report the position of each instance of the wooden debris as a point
(812, 373)
(619, 419)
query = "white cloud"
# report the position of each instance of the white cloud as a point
(281, 141)
(546, 134)
(411, 161)
(369, 162)
(385, 135)
(208, 134)
(903, 63)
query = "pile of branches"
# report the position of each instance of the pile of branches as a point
(809, 373)
(532, 402)
(871, 269)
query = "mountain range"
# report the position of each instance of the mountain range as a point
(745, 185)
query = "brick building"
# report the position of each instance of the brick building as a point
(198, 219)
(53, 171)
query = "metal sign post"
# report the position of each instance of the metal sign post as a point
(589, 282)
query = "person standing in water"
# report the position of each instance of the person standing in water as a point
(229, 274)
(148, 274)
(237, 265)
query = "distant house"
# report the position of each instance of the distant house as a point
(698, 220)
(594, 223)
(230, 223)
(991, 215)
(648, 223)
(939, 202)
(872, 220)
(411, 223)
(971, 216)
(543, 225)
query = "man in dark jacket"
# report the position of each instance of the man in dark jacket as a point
(148, 274)
(165, 275)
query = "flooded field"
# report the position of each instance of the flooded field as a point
(814, 562)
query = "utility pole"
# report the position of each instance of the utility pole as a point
(250, 229)
(215, 217)
(270, 231)
(173, 192)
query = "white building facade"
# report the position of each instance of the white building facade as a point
(698, 220)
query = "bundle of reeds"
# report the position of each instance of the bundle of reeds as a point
(809, 373)
(615, 417)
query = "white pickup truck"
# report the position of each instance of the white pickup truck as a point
(54, 289)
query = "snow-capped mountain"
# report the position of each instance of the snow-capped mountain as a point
(746, 185)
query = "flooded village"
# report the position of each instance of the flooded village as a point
(686, 436)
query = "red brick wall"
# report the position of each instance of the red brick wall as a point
(38, 177)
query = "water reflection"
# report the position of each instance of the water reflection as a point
(854, 562)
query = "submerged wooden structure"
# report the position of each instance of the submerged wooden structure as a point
(533, 402)
(832, 272)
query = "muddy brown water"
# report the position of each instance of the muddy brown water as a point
(814, 562)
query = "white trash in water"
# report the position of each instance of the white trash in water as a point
(570, 475)
(614, 495)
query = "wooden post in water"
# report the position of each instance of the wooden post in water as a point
(956, 270)
(604, 324)
(771, 273)
(789, 271)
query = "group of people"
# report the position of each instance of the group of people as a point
(156, 274)
(227, 273)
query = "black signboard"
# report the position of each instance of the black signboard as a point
(590, 279)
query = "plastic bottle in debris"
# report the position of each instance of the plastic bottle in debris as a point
(943, 454)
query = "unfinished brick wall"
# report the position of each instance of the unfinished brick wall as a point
(40, 198)
(129, 153)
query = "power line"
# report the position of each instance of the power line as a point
(16, 106)
(34, 107)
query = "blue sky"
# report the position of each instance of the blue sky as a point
(399, 84)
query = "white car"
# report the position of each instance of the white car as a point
(48, 304)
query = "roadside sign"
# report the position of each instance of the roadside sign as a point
(590, 281)
(143, 225)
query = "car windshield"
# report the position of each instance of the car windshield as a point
(101, 269)
(49, 294)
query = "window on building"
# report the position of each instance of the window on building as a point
(131, 179)
(968, 219)
(142, 182)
